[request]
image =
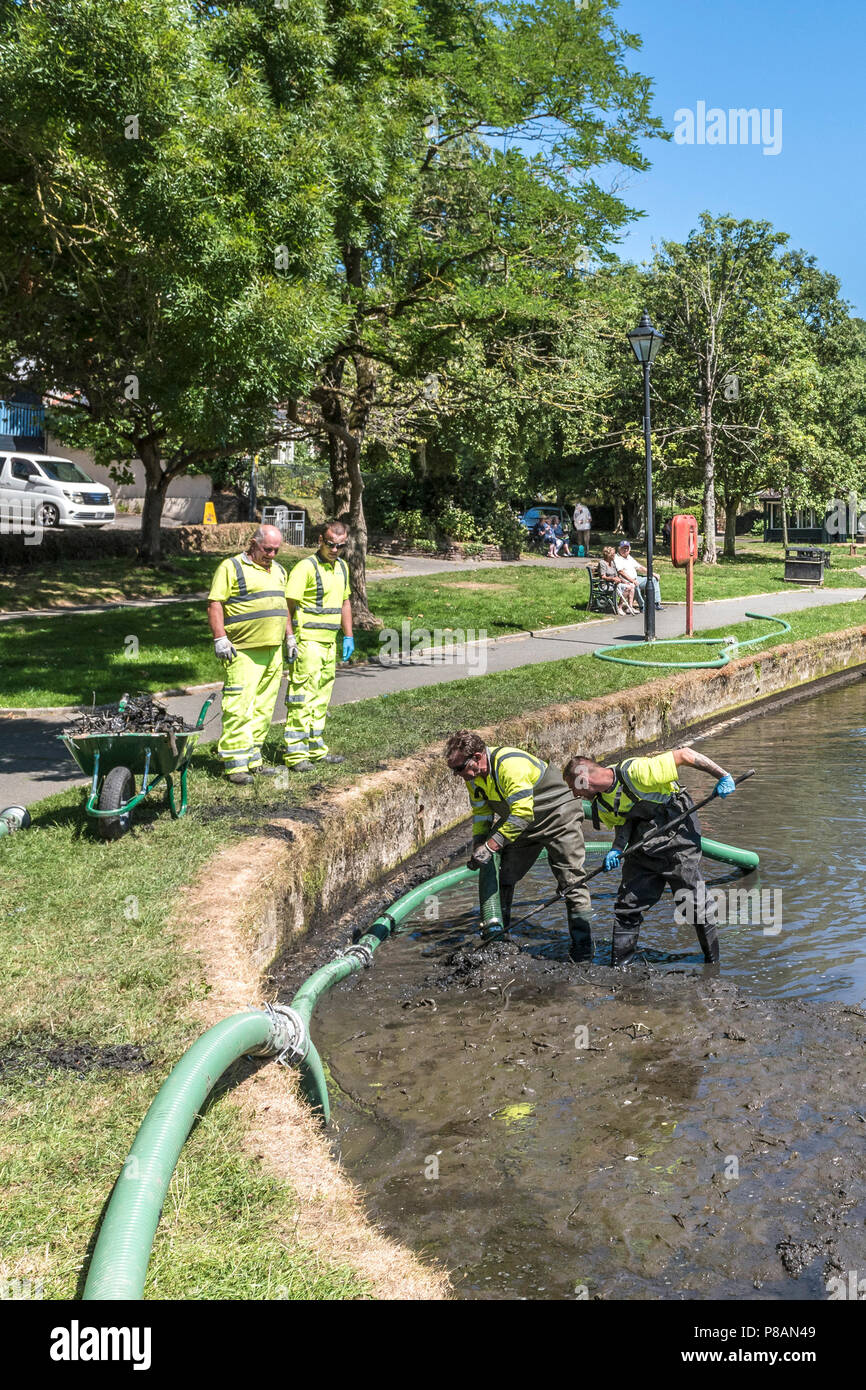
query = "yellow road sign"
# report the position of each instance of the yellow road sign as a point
(209, 514)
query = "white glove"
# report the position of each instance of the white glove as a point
(224, 649)
(291, 647)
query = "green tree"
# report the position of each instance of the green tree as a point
(720, 301)
(462, 136)
(173, 284)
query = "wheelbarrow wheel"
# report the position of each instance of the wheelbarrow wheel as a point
(117, 789)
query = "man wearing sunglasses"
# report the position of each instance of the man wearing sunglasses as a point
(535, 811)
(248, 616)
(318, 597)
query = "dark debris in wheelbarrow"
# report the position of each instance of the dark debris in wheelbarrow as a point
(135, 714)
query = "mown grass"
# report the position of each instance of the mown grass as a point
(79, 658)
(88, 955)
(117, 579)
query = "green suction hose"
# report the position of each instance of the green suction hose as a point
(730, 652)
(122, 1252)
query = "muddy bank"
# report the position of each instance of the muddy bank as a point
(557, 1131)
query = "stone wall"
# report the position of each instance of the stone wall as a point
(62, 545)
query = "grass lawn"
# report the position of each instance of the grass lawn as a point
(81, 657)
(88, 960)
(117, 578)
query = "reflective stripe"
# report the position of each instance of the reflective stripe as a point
(295, 699)
(255, 614)
(260, 593)
(327, 627)
(241, 577)
(232, 689)
(660, 798)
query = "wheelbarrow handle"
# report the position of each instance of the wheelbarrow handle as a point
(204, 709)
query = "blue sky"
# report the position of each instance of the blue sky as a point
(807, 59)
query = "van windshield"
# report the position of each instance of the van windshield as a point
(63, 471)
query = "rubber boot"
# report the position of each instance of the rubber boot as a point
(580, 932)
(623, 945)
(708, 939)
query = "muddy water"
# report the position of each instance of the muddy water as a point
(552, 1131)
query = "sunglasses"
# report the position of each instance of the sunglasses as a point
(466, 761)
(335, 545)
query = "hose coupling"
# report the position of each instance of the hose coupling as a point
(361, 951)
(289, 1042)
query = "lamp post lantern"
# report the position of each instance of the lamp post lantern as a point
(645, 342)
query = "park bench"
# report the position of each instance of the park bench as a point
(602, 593)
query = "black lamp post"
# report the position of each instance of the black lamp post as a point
(645, 343)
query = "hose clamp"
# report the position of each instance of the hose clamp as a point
(290, 1041)
(361, 951)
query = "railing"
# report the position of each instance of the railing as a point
(289, 523)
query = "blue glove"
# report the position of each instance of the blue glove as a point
(612, 860)
(348, 647)
(726, 785)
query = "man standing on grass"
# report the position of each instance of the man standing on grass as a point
(536, 811)
(639, 798)
(318, 597)
(249, 618)
(582, 523)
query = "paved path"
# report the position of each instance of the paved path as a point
(33, 764)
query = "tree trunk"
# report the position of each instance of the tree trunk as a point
(345, 439)
(155, 488)
(708, 554)
(634, 516)
(731, 508)
(784, 507)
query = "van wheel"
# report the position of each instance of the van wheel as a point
(117, 789)
(48, 515)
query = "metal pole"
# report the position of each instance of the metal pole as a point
(649, 607)
(690, 597)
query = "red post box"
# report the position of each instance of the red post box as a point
(684, 540)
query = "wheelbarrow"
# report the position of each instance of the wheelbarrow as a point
(111, 761)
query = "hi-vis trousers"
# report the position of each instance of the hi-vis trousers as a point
(252, 684)
(311, 681)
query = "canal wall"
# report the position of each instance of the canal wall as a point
(314, 862)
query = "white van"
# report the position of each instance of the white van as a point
(46, 491)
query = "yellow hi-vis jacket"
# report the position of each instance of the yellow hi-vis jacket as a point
(505, 790)
(320, 590)
(637, 779)
(254, 601)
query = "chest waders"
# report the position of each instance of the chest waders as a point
(674, 860)
(557, 826)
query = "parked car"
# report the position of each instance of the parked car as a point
(52, 492)
(538, 509)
